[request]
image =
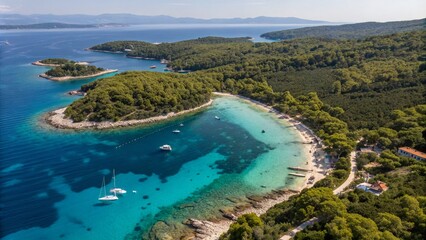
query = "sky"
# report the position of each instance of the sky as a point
(328, 10)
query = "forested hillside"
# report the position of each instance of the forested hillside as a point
(348, 31)
(180, 53)
(137, 95)
(365, 92)
(399, 213)
(368, 78)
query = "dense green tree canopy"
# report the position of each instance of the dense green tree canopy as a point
(347, 31)
(59, 61)
(370, 90)
(138, 95)
(73, 70)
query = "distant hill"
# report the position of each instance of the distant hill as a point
(55, 26)
(348, 31)
(17, 19)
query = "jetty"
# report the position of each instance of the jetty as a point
(297, 174)
(300, 169)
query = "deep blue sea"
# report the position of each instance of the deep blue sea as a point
(50, 179)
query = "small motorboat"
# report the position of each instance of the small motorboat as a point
(218, 118)
(166, 147)
(181, 125)
(153, 66)
(176, 131)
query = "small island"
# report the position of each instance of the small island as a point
(56, 62)
(64, 69)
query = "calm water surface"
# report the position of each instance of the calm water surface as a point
(51, 178)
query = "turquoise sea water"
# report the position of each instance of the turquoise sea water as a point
(51, 178)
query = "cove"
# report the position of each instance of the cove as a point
(212, 161)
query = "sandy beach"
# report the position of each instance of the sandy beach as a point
(315, 165)
(57, 119)
(66, 78)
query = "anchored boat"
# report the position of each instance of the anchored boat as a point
(166, 147)
(106, 198)
(116, 190)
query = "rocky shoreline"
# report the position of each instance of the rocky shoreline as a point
(57, 119)
(211, 230)
(66, 78)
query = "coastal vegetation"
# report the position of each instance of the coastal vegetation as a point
(181, 53)
(137, 95)
(56, 61)
(355, 214)
(367, 78)
(73, 70)
(399, 213)
(350, 92)
(348, 31)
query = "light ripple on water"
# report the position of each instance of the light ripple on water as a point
(11, 183)
(14, 167)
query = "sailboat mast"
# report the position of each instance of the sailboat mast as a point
(100, 190)
(113, 175)
(104, 187)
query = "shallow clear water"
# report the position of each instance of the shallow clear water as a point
(51, 178)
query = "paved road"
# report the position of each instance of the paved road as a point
(336, 191)
(302, 226)
(351, 175)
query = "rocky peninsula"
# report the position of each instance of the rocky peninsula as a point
(57, 119)
(40, 63)
(66, 78)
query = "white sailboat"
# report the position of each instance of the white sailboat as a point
(116, 190)
(106, 198)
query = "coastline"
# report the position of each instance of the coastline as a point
(57, 119)
(209, 230)
(38, 63)
(103, 51)
(66, 78)
(313, 144)
(121, 52)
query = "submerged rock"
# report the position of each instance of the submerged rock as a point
(187, 205)
(165, 231)
(230, 216)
